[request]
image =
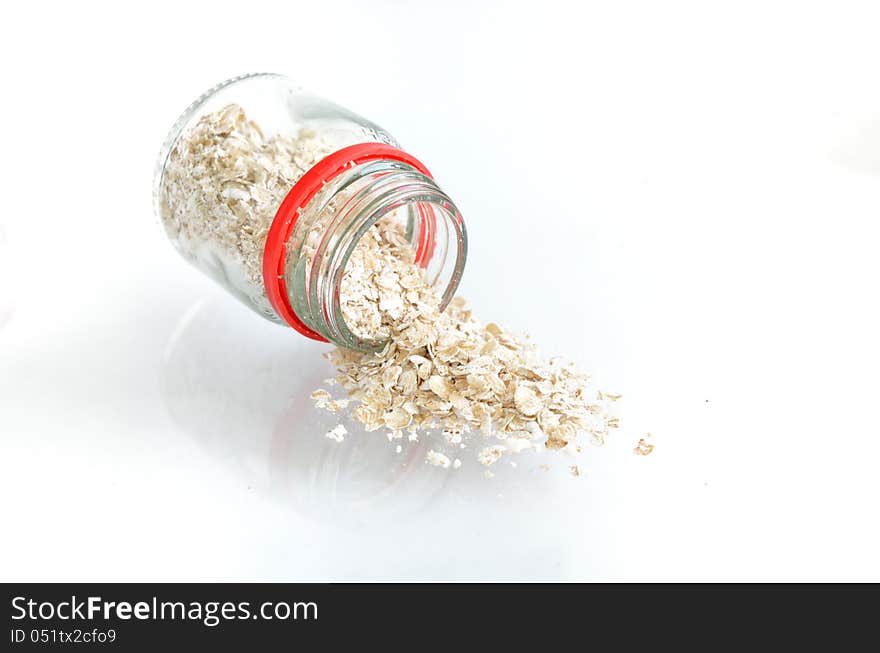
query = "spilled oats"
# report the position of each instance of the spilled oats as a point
(446, 370)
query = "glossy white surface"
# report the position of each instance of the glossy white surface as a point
(682, 199)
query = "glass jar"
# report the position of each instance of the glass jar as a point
(267, 189)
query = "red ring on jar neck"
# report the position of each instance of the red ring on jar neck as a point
(331, 166)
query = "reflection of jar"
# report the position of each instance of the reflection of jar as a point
(250, 408)
(268, 189)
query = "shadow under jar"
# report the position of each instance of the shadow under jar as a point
(268, 189)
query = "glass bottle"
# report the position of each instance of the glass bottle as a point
(267, 189)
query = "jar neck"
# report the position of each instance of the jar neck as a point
(332, 223)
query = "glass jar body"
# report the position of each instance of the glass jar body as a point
(209, 220)
(224, 191)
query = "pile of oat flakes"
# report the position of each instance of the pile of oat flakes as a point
(446, 370)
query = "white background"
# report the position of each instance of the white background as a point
(683, 198)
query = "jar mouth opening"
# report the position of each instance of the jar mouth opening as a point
(437, 235)
(285, 224)
(321, 220)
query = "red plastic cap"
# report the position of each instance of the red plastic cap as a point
(275, 252)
